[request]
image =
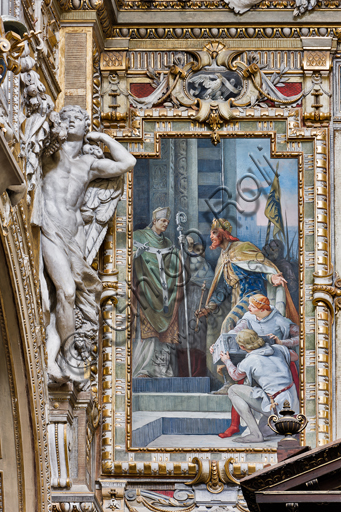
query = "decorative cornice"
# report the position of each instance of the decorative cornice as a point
(173, 5)
(233, 32)
(90, 5)
(190, 5)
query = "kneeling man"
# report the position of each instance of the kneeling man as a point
(269, 367)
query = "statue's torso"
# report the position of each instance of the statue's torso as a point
(64, 185)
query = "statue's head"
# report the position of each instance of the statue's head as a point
(78, 121)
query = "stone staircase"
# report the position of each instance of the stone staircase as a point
(176, 406)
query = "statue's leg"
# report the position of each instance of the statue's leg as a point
(59, 269)
(244, 403)
(52, 349)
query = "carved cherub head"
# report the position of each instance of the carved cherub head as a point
(93, 150)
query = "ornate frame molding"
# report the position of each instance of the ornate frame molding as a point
(314, 208)
(18, 249)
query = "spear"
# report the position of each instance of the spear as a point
(180, 218)
(287, 236)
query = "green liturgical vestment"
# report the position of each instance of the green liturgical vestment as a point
(157, 278)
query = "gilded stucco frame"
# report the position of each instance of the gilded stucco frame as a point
(287, 140)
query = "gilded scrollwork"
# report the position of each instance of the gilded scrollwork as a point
(328, 291)
(182, 501)
(214, 474)
(11, 49)
(215, 84)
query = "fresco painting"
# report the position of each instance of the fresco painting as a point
(216, 294)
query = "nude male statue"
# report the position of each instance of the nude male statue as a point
(66, 176)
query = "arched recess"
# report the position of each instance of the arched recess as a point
(24, 467)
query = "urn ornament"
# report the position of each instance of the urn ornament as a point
(288, 424)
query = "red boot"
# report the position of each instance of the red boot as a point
(234, 427)
(235, 421)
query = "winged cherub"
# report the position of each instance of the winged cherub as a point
(70, 287)
(213, 84)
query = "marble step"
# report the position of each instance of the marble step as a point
(159, 424)
(195, 402)
(172, 385)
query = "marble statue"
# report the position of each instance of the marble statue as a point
(78, 194)
(73, 191)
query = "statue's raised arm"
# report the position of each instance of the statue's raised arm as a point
(103, 193)
(122, 161)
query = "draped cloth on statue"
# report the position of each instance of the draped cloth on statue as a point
(157, 280)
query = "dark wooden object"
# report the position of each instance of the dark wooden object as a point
(308, 481)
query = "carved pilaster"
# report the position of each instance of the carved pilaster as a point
(74, 417)
(96, 88)
(59, 454)
(317, 62)
(59, 429)
(115, 89)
